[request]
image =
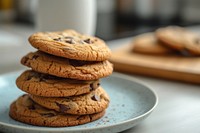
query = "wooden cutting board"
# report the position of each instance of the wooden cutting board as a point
(186, 69)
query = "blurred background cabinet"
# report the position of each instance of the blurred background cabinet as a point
(117, 18)
(132, 17)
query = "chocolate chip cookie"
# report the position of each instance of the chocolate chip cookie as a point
(71, 44)
(93, 102)
(27, 111)
(51, 86)
(180, 39)
(67, 68)
(148, 44)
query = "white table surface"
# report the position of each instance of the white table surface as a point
(178, 110)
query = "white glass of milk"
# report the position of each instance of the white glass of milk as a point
(56, 15)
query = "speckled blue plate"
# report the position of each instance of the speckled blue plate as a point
(131, 102)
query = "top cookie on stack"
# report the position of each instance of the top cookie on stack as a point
(69, 54)
(72, 45)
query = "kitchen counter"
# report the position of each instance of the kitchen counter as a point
(178, 107)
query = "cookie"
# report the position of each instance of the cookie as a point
(67, 68)
(193, 44)
(71, 44)
(51, 86)
(93, 102)
(180, 39)
(26, 111)
(148, 44)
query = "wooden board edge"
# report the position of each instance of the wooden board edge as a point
(157, 73)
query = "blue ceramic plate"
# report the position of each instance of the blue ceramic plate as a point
(131, 102)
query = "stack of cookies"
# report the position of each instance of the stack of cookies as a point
(168, 40)
(63, 84)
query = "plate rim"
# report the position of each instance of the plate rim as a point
(114, 74)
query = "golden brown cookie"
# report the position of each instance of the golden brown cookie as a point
(148, 44)
(180, 39)
(93, 102)
(51, 86)
(26, 111)
(193, 44)
(71, 44)
(67, 68)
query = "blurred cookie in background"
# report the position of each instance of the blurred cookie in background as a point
(180, 39)
(147, 43)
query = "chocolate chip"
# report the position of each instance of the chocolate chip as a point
(48, 114)
(35, 57)
(31, 75)
(47, 77)
(95, 97)
(94, 85)
(63, 107)
(31, 107)
(25, 60)
(89, 41)
(57, 39)
(79, 117)
(71, 41)
(29, 78)
(44, 77)
(77, 63)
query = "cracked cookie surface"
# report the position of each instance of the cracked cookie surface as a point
(67, 68)
(93, 102)
(26, 111)
(51, 86)
(71, 44)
